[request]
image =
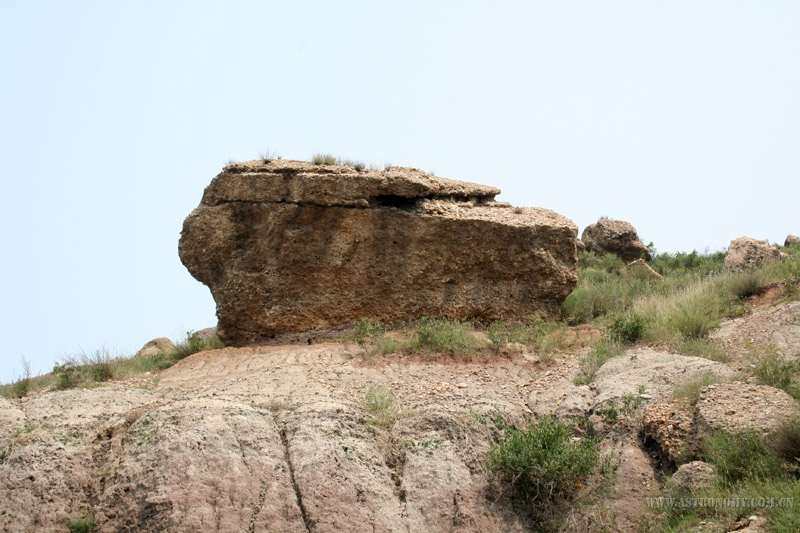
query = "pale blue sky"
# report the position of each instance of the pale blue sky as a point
(681, 117)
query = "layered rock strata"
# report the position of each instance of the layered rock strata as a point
(287, 247)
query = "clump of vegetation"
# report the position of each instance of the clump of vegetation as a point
(543, 464)
(372, 335)
(92, 369)
(84, 369)
(627, 405)
(328, 159)
(703, 348)
(761, 473)
(689, 391)
(363, 329)
(21, 386)
(324, 159)
(770, 367)
(741, 456)
(81, 524)
(693, 264)
(534, 333)
(267, 156)
(379, 402)
(627, 328)
(443, 336)
(603, 350)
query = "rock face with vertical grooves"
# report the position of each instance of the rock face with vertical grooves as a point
(289, 247)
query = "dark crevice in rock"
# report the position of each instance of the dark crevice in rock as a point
(390, 200)
(298, 494)
(396, 462)
(662, 464)
(262, 496)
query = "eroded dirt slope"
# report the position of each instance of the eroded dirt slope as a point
(281, 438)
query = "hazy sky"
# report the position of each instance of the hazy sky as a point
(681, 117)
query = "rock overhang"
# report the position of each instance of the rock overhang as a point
(335, 185)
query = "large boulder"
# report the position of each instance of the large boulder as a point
(791, 240)
(745, 253)
(615, 237)
(287, 247)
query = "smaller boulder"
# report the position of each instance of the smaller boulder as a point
(691, 478)
(618, 237)
(205, 333)
(155, 347)
(745, 253)
(791, 240)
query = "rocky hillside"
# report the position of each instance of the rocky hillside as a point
(325, 438)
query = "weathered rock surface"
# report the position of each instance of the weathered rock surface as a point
(745, 253)
(616, 237)
(791, 240)
(671, 426)
(775, 326)
(657, 373)
(155, 347)
(265, 439)
(289, 247)
(691, 477)
(733, 407)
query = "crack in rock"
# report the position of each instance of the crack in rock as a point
(262, 496)
(298, 494)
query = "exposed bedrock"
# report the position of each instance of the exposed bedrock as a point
(288, 247)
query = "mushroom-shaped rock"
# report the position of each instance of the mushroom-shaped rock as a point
(288, 247)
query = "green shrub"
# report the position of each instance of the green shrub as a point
(586, 303)
(626, 405)
(365, 328)
(627, 328)
(81, 524)
(542, 463)
(784, 443)
(770, 367)
(443, 336)
(695, 264)
(195, 343)
(68, 374)
(382, 346)
(379, 401)
(21, 386)
(741, 456)
(745, 284)
(693, 320)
